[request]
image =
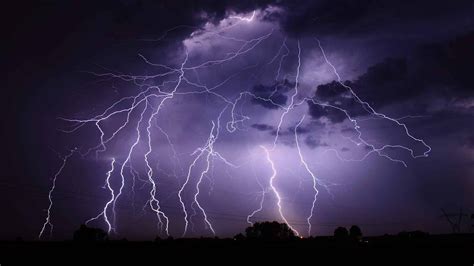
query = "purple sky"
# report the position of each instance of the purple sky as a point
(198, 93)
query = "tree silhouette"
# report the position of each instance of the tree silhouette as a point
(88, 234)
(269, 231)
(239, 237)
(341, 233)
(355, 233)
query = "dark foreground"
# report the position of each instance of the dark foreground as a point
(459, 246)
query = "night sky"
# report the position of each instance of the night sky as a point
(374, 99)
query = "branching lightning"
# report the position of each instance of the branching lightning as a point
(371, 111)
(142, 111)
(112, 197)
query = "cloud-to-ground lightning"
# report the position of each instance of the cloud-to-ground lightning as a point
(112, 197)
(141, 114)
(275, 190)
(47, 221)
(313, 177)
(262, 193)
(207, 152)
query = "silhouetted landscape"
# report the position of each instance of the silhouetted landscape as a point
(263, 242)
(280, 129)
(263, 234)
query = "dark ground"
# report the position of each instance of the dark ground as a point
(406, 247)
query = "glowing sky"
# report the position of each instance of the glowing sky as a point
(236, 85)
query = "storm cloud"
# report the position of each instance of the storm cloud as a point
(411, 61)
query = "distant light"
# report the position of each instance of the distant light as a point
(244, 18)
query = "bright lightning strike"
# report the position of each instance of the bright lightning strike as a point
(48, 222)
(112, 197)
(142, 112)
(247, 19)
(275, 191)
(313, 177)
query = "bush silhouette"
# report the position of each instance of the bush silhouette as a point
(341, 233)
(355, 233)
(239, 237)
(269, 231)
(88, 234)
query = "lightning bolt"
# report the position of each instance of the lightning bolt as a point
(47, 221)
(282, 117)
(201, 152)
(292, 99)
(263, 192)
(371, 111)
(112, 197)
(142, 110)
(208, 153)
(275, 191)
(247, 19)
(313, 177)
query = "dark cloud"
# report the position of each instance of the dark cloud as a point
(145, 13)
(448, 123)
(440, 68)
(317, 111)
(335, 94)
(300, 130)
(433, 71)
(332, 90)
(470, 141)
(367, 17)
(272, 96)
(344, 149)
(47, 41)
(313, 142)
(262, 127)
